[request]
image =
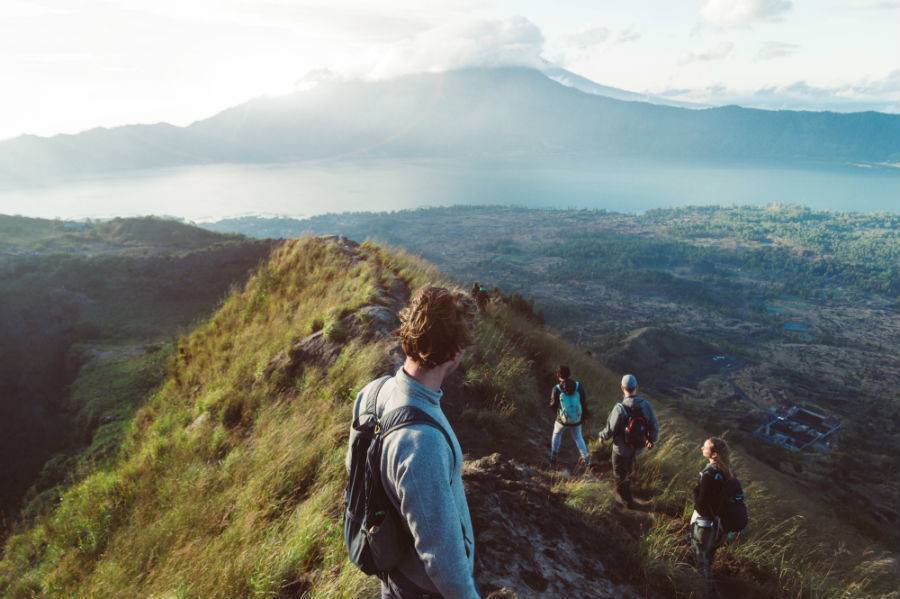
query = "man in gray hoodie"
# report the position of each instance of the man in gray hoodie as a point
(630, 409)
(421, 471)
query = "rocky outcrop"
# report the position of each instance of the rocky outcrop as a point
(375, 321)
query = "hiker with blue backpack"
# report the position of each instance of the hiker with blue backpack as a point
(719, 510)
(633, 427)
(407, 518)
(569, 401)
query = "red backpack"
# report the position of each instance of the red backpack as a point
(637, 429)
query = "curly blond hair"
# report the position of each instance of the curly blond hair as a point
(436, 325)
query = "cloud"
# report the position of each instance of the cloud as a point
(590, 37)
(875, 4)
(487, 43)
(718, 52)
(586, 38)
(882, 95)
(627, 35)
(773, 50)
(584, 45)
(738, 13)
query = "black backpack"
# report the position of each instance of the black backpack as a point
(637, 429)
(734, 516)
(375, 534)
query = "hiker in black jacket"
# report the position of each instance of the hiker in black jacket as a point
(633, 427)
(709, 505)
(569, 402)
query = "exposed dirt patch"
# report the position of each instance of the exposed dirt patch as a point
(529, 542)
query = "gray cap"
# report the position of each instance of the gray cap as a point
(629, 382)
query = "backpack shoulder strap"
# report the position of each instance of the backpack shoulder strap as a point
(622, 423)
(372, 399)
(714, 472)
(638, 406)
(405, 416)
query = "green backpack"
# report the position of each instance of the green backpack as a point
(569, 406)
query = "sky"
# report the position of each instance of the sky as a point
(68, 66)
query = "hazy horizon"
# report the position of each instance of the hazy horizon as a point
(102, 65)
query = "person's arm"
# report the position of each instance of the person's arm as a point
(708, 494)
(554, 397)
(611, 424)
(419, 464)
(654, 423)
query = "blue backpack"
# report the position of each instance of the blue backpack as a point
(569, 406)
(376, 535)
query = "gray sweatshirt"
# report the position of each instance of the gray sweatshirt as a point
(423, 480)
(618, 420)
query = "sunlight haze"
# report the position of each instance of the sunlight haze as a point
(67, 68)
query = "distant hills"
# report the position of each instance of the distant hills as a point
(88, 312)
(508, 112)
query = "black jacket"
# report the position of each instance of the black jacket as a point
(709, 493)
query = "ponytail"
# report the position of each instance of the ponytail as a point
(723, 456)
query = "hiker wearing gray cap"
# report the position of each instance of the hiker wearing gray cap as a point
(632, 426)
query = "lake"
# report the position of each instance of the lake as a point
(212, 192)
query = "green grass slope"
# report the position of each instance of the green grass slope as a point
(229, 480)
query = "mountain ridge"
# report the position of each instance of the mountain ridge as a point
(253, 418)
(475, 112)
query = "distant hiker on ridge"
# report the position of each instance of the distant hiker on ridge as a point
(480, 295)
(407, 518)
(569, 401)
(632, 426)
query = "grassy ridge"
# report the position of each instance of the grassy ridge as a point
(228, 482)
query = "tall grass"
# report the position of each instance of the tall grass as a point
(228, 482)
(224, 486)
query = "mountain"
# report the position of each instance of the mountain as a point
(229, 480)
(468, 113)
(570, 79)
(87, 315)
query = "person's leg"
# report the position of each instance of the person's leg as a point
(580, 444)
(699, 541)
(555, 442)
(703, 543)
(622, 467)
(718, 539)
